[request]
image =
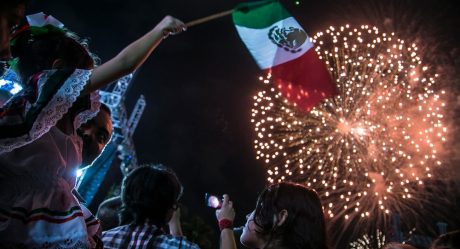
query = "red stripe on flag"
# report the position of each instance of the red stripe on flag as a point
(304, 81)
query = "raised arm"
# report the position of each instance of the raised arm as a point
(132, 57)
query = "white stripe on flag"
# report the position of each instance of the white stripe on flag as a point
(266, 53)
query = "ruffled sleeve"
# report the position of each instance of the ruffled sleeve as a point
(42, 103)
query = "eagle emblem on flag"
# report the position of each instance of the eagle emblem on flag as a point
(288, 38)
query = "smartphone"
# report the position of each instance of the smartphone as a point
(213, 201)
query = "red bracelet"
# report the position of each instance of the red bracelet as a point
(225, 223)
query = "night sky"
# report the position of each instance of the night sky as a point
(199, 85)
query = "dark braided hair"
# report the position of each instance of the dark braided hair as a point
(149, 192)
(304, 227)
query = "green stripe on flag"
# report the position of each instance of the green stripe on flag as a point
(259, 14)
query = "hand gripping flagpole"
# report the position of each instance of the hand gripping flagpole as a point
(208, 18)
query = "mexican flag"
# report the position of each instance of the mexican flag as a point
(281, 47)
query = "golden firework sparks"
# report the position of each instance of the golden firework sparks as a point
(368, 149)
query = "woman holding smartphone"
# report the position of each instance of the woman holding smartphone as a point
(287, 215)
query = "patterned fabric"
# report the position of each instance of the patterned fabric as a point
(38, 164)
(44, 100)
(143, 237)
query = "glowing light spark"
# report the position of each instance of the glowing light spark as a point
(79, 172)
(367, 150)
(10, 86)
(376, 241)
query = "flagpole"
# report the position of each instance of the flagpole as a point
(208, 18)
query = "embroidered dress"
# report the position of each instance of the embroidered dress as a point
(143, 237)
(38, 163)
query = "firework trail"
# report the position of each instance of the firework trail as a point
(376, 241)
(368, 150)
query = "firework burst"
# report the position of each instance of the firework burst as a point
(368, 150)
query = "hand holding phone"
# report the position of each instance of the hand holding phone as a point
(213, 201)
(226, 214)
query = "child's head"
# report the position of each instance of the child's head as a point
(150, 193)
(54, 49)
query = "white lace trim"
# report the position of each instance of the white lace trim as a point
(55, 109)
(86, 115)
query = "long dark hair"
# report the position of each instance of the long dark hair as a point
(38, 52)
(304, 227)
(148, 193)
